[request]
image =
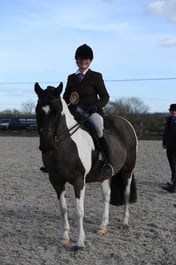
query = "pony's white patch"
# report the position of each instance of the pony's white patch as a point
(106, 199)
(80, 215)
(127, 195)
(82, 139)
(64, 216)
(46, 109)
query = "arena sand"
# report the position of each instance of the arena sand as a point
(30, 218)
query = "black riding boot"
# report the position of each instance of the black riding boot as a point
(107, 169)
(171, 188)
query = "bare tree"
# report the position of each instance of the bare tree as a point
(28, 107)
(133, 109)
(10, 112)
(131, 105)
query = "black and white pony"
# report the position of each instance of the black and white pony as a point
(75, 159)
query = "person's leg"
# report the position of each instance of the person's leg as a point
(97, 121)
(169, 158)
(172, 162)
(173, 168)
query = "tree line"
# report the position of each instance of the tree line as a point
(147, 125)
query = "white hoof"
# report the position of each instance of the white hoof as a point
(102, 231)
(65, 242)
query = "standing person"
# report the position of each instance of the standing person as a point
(169, 143)
(93, 96)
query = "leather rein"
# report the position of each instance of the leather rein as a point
(66, 133)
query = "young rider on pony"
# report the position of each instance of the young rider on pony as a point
(93, 96)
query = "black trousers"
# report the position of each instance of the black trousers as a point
(172, 163)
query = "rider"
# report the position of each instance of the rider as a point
(93, 96)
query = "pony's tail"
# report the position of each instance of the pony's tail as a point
(133, 190)
(118, 185)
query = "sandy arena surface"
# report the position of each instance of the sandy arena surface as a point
(30, 219)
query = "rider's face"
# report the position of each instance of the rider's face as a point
(83, 64)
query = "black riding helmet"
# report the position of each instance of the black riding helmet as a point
(84, 52)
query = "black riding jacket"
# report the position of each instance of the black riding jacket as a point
(169, 136)
(91, 90)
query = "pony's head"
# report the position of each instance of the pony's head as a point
(48, 113)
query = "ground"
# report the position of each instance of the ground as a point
(30, 218)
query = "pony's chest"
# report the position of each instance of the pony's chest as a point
(73, 154)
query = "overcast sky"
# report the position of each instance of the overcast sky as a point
(134, 43)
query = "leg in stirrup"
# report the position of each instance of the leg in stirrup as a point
(107, 169)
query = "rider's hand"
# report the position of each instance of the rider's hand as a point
(93, 108)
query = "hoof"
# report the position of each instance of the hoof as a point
(44, 169)
(65, 242)
(75, 249)
(125, 227)
(171, 188)
(102, 231)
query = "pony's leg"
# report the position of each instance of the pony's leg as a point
(80, 216)
(127, 196)
(106, 199)
(64, 219)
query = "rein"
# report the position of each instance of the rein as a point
(67, 133)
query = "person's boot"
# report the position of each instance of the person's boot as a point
(107, 169)
(171, 188)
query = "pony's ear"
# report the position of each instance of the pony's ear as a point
(38, 90)
(59, 89)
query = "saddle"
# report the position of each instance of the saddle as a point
(87, 126)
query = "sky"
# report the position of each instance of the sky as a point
(134, 44)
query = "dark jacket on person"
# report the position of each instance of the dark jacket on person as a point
(169, 136)
(91, 90)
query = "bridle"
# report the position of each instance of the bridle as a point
(66, 133)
